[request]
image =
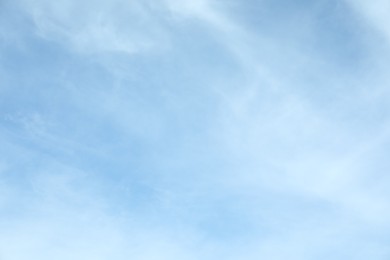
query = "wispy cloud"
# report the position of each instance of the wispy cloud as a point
(95, 27)
(193, 129)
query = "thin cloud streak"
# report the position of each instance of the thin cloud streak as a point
(177, 131)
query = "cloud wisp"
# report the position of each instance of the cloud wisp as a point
(194, 130)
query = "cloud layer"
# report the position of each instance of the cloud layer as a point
(194, 130)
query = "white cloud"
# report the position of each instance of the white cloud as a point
(62, 214)
(376, 12)
(96, 26)
(268, 143)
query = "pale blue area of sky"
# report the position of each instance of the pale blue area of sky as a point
(194, 129)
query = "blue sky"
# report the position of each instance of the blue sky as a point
(194, 129)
